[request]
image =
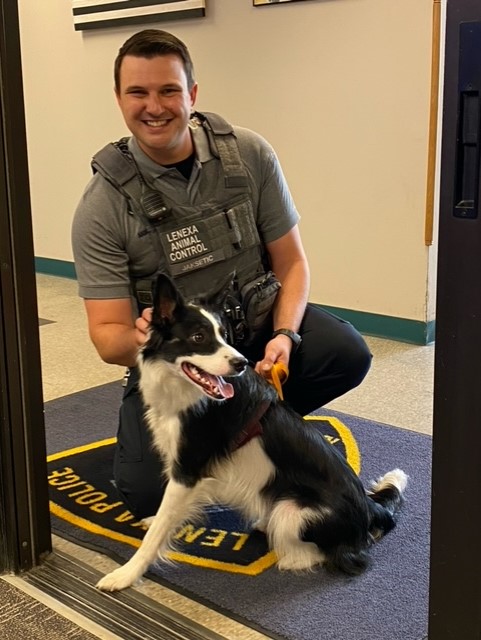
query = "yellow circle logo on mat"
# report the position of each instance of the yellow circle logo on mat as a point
(341, 437)
(86, 509)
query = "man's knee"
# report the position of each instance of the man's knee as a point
(140, 486)
(358, 359)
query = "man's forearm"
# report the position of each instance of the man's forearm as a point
(116, 343)
(292, 297)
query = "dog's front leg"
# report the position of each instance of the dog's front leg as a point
(174, 509)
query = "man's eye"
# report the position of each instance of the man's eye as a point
(198, 337)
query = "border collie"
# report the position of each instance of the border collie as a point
(235, 443)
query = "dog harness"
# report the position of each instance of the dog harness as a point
(252, 429)
(278, 375)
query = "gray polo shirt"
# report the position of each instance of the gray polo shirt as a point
(107, 240)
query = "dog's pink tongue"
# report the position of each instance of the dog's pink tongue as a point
(225, 388)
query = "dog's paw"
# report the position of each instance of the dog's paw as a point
(117, 580)
(304, 556)
(146, 522)
(260, 525)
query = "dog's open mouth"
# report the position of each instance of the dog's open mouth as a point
(214, 386)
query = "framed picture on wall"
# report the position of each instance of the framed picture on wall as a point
(100, 14)
(258, 3)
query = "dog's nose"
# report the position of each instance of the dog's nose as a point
(239, 364)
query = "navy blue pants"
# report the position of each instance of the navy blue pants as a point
(332, 359)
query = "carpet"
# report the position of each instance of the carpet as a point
(224, 565)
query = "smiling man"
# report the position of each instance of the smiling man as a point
(196, 198)
(156, 99)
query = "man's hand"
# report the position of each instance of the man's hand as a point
(277, 350)
(142, 326)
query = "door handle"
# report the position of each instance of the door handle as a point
(467, 156)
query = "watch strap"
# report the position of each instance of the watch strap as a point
(295, 337)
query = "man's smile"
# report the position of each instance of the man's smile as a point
(156, 123)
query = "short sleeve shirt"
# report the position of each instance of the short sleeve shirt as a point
(108, 243)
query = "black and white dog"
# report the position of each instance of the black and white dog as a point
(235, 443)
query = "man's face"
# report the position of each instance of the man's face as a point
(156, 104)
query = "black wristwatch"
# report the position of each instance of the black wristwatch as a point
(295, 337)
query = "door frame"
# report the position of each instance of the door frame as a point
(455, 568)
(24, 514)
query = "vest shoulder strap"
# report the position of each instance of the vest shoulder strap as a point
(218, 124)
(223, 144)
(115, 163)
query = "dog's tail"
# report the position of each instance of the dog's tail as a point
(385, 499)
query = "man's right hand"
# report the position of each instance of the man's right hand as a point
(142, 326)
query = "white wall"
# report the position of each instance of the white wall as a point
(341, 89)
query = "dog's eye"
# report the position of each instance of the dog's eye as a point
(198, 337)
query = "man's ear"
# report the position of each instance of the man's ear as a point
(193, 94)
(167, 299)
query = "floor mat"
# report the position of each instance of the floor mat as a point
(228, 567)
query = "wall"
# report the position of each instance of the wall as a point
(341, 88)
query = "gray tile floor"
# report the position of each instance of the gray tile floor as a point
(398, 390)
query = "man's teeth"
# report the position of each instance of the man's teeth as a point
(156, 123)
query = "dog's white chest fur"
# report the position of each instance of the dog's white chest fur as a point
(240, 479)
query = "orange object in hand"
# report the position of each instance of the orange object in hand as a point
(277, 376)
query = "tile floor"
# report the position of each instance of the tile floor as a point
(397, 391)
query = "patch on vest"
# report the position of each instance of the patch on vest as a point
(83, 495)
(190, 248)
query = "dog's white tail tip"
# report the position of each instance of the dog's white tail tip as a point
(395, 478)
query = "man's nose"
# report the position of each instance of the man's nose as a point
(154, 103)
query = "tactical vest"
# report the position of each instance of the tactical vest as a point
(199, 246)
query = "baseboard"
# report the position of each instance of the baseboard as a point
(380, 326)
(52, 267)
(370, 324)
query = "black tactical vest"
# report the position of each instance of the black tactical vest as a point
(199, 246)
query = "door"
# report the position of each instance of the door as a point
(455, 580)
(24, 515)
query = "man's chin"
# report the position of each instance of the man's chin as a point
(158, 147)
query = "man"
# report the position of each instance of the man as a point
(189, 195)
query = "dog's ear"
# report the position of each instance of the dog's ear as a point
(167, 299)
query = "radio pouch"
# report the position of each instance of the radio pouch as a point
(258, 297)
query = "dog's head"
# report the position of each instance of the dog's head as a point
(192, 339)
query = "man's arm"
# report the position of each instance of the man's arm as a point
(289, 263)
(112, 330)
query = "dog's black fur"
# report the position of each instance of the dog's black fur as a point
(287, 477)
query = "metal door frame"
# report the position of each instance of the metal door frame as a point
(455, 570)
(24, 514)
